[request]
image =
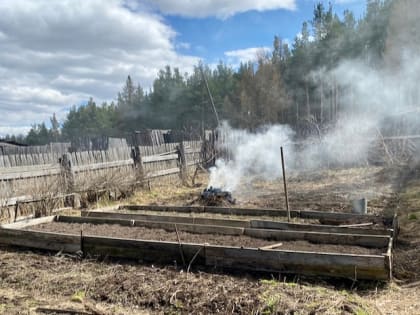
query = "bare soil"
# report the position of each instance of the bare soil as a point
(115, 230)
(376, 225)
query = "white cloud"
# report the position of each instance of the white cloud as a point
(234, 57)
(183, 45)
(55, 54)
(219, 8)
(14, 130)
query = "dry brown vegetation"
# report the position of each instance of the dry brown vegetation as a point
(32, 280)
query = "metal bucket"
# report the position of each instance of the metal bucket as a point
(359, 206)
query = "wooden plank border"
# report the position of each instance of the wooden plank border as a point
(332, 216)
(258, 224)
(266, 224)
(40, 240)
(28, 222)
(166, 218)
(308, 263)
(373, 241)
(373, 267)
(169, 226)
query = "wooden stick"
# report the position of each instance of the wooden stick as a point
(355, 225)
(285, 185)
(16, 210)
(62, 311)
(194, 257)
(272, 246)
(180, 246)
(81, 242)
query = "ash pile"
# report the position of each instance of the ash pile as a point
(216, 197)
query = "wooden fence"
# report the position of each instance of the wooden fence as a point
(8, 149)
(44, 176)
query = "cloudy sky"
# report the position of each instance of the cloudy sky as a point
(56, 54)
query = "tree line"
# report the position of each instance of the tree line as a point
(282, 86)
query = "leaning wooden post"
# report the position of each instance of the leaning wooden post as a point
(285, 185)
(182, 162)
(138, 165)
(67, 172)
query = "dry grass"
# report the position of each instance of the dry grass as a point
(173, 194)
(32, 280)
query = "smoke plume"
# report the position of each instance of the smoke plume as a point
(372, 102)
(252, 155)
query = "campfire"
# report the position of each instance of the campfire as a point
(215, 196)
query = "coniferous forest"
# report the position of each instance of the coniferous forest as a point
(290, 85)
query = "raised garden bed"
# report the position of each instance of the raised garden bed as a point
(156, 234)
(326, 250)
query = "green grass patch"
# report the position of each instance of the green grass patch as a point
(78, 296)
(412, 216)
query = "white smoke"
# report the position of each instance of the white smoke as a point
(252, 155)
(367, 98)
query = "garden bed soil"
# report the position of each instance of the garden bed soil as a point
(376, 225)
(143, 233)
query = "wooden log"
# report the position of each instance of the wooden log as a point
(374, 241)
(274, 225)
(167, 218)
(40, 240)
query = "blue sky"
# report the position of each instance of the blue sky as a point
(56, 54)
(211, 37)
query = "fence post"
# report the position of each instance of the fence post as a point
(182, 162)
(207, 154)
(138, 164)
(67, 172)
